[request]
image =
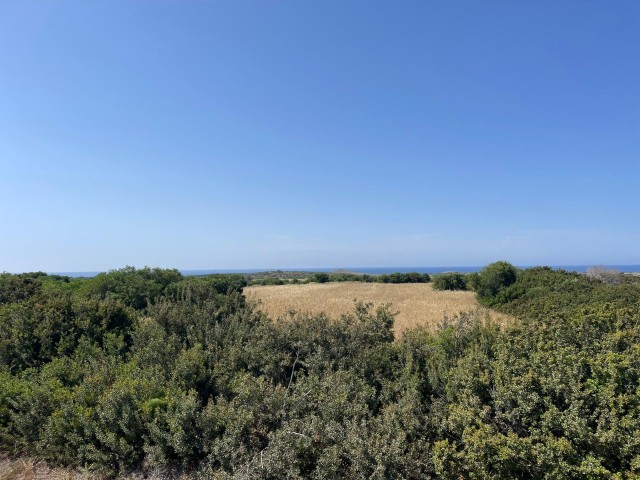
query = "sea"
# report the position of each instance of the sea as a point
(372, 270)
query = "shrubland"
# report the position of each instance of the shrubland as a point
(143, 370)
(283, 278)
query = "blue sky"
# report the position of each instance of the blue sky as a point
(266, 133)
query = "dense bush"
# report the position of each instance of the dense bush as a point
(411, 277)
(350, 277)
(492, 280)
(135, 288)
(320, 277)
(206, 286)
(283, 278)
(450, 281)
(397, 277)
(15, 288)
(198, 381)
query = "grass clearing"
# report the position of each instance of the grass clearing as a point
(30, 469)
(27, 468)
(417, 304)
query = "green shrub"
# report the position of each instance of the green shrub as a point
(493, 279)
(348, 277)
(15, 288)
(411, 277)
(269, 281)
(320, 277)
(135, 288)
(450, 281)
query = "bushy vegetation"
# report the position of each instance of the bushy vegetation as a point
(145, 369)
(397, 277)
(491, 282)
(411, 277)
(271, 281)
(14, 288)
(450, 281)
(320, 277)
(284, 278)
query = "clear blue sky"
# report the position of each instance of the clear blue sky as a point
(266, 133)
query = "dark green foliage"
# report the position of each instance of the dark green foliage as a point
(320, 277)
(34, 333)
(135, 288)
(492, 280)
(15, 288)
(349, 277)
(450, 281)
(283, 278)
(544, 292)
(205, 287)
(198, 381)
(411, 277)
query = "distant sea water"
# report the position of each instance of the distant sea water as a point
(372, 270)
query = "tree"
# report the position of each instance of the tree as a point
(493, 279)
(14, 288)
(450, 281)
(320, 277)
(135, 287)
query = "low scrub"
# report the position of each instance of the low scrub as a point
(184, 375)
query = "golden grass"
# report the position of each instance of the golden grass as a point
(29, 469)
(26, 468)
(416, 303)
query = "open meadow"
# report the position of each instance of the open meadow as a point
(417, 304)
(29, 469)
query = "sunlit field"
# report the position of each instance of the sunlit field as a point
(416, 303)
(29, 469)
(25, 468)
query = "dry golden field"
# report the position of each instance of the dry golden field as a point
(29, 469)
(25, 468)
(416, 303)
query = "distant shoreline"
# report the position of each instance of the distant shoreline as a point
(627, 269)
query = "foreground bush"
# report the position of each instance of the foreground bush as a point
(198, 381)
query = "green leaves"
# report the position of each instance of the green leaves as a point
(450, 281)
(492, 281)
(198, 381)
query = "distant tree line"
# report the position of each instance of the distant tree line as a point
(325, 277)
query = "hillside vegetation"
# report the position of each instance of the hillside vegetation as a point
(145, 370)
(279, 277)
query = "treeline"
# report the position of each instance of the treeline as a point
(322, 277)
(146, 370)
